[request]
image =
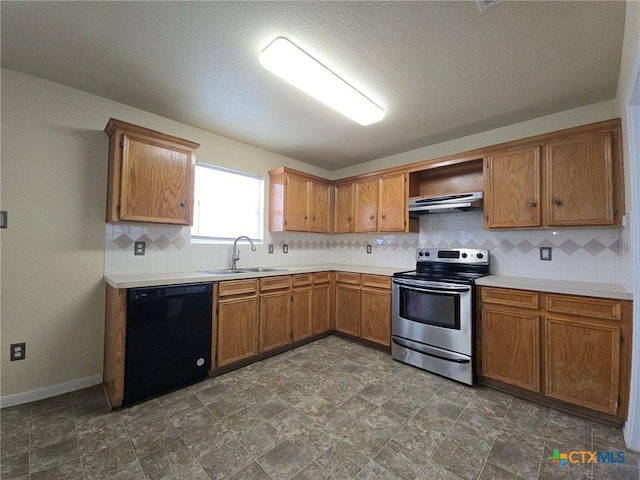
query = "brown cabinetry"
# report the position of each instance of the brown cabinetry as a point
(564, 180)
(321, 318)
(236, 321)
(375, 316)
(150, 177)
(363, 306)
(381, 203)
(344, 207)
(275, 312)
(301, 311)
(299, 202)
(565, 348)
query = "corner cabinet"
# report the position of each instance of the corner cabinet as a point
(567, 349)
(151, 176)
(570, 178)
(299, 202)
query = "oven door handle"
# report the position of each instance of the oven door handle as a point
(430, 289)
(432, 352)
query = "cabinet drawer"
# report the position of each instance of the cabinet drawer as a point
(275, 283)
(321, 277)
(584, 306)
(302, 279)
(513, 298)
(237, 287)
(377, 281)
(348, 277)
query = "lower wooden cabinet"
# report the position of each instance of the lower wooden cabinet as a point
(275, 312)
(321, 318)
(567, 349)
(582, 363)
(237, 321)
(301, 310)
(511, 348)
(375, 311)
(363, 306)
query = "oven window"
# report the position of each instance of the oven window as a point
(442, 310)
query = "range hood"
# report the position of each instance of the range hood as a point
(459, 202)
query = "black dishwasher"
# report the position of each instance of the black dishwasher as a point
(168, 340)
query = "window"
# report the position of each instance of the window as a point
(227, 204)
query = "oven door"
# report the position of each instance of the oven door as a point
(433, 313)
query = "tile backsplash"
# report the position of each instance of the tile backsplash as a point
(592, 255)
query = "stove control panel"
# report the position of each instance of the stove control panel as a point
(453, 255)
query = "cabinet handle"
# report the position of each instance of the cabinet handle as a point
(183, 204)
(313, 218)
(384, 216)
(371, 217)
(349, 219)
(533, 204)
(557, 202)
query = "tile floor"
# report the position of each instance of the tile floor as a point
(328, 410)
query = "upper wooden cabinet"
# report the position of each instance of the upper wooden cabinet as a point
(299, 202)
(366, 204)
(150, 177)
(344, 207)
(571, 178)
(580, 177)
(380, 204)
(512, 189)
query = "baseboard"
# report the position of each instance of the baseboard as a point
(42, 393)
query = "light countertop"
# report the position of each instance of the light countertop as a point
(589, 289)
(154, 279)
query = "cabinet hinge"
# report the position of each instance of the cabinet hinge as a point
(118, 209)
(292, 298)
(285, 223)
(615, 211)
(621, 340)
(121, 143)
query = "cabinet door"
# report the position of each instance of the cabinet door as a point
(320, 207)
(366, 205)
(348, 309)
(301, 313)
(237, 329)
(512, 189)
(582, 363)
(344, 207)
(392, 203)
(297, 192)
(275, 320)
(510, 347)
(156, 183)
(376, 316)
(580, 181)
(321, 312)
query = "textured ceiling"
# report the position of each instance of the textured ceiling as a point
(441, 70)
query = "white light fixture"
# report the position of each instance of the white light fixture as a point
(304, 72)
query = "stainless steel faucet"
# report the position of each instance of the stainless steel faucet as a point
(236, 255)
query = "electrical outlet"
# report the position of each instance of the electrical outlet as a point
(285, 248)
(368, 248)
(139, 248)
(271, 248)
(18, 351)
(545, 254)
(3, 219)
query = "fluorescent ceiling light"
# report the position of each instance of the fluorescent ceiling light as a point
(304, 72)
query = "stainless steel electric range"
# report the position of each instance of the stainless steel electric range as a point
(433, 311)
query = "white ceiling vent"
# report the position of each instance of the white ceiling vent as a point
(484, 4)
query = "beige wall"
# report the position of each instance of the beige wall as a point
(54, 155)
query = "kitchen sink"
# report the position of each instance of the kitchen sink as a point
(264, 269)
(230, 271)
(225, 271)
